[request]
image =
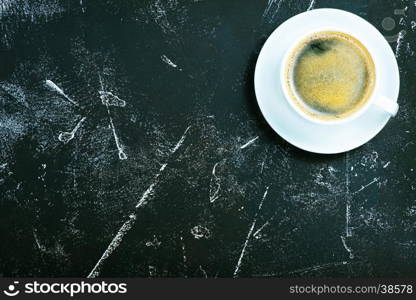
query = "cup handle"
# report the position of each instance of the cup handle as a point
(389, 106)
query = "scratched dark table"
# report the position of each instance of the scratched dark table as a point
(131, 145)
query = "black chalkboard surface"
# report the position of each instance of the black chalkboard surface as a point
(132, 146)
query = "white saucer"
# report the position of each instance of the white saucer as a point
(280, 115)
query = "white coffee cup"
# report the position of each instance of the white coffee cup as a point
(376, 99)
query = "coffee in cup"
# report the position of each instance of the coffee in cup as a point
(329, 75)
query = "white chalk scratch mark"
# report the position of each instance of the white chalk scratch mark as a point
(182, 139)
(262, 167)
(349, 250)
(74, 179)
(81, 3)
(3, 166)
(409, 244)
(407, 145)
(203, 271)
(57, 89)
(113, 245)
(269, 6)
(387, 164)
(65, 137)
(277, 9)
(318, 267)
(126, 227)
(311, 5)
(150, 189)
(363, 187)
(121, 154)
(399, 41)
(109, 99)
(184, 258)
(348, 231)
(215, 185)
(250, 142)
(37, 241)
(256, 234)
(169, 62)
(249, 234)
(305, 270)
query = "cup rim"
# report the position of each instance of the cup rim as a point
(285, 87)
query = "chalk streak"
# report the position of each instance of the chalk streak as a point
(169, 62)
(150, 189)
(348, 231)
(203, 271)
(400, 37)
(184, 258)
(349, 250)
(261, 229)
(249, 234)
(407, 144)
(363, 187)
(249, 143)
(182, 139)
(183, 251)
(277, 9)
(271, 3)
(121, 154)
(143, 200)
(215, 181)
(82, 6)
(57, 89)
(127, 225)
(306, 270)
(348, 196)
(115, 243)
(37, 241)
(65, 137)
(311, 5)
(319, 267)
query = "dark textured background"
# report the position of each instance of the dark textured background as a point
(180, 63)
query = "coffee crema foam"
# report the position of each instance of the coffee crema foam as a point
(330, 75)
